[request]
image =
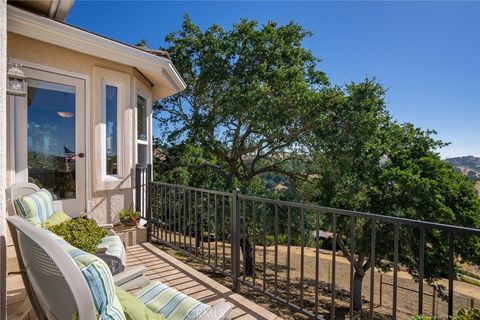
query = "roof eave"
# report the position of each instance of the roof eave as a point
(159, 70)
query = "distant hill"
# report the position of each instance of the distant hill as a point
(469, 166)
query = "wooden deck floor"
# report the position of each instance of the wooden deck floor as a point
(166, 269)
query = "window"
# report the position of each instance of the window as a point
(111, 125)
(142, 137)
(141, 118)
(114, 137)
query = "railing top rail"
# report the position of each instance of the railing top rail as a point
(366, 215)
(222, 193)
(371, 216)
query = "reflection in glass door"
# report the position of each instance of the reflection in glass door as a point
(51, 137)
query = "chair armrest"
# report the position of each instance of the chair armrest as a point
(107, 226)
(219, 311)
(128, 274)
(137, 283)
(101, 250)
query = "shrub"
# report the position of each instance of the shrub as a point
(81, 233)
(423, 317)
(283, 239)
(462, 314)
(269, 240)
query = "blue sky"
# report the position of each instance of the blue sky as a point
(426, 53)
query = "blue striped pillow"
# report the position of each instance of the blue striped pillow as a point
(36, 208)
(99, 280)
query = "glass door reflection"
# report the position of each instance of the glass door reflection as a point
(51, 137)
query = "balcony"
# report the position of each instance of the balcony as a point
(296, 263)
(284, 252)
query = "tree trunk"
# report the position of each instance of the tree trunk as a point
(198, 236)
(249, 268)
(357, 290)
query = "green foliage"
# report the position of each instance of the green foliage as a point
(129, 216)
(462, 314)
(250, 96)
(256, 111)
(81, 233)
(423, 317)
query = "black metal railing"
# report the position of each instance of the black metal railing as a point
(296, 262)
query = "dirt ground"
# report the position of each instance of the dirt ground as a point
(407, 292)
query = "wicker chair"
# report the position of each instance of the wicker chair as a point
(130, 277)
(54, 283)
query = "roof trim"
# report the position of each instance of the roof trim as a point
(161, 71)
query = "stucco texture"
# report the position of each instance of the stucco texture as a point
(3, 113)
(104, 204)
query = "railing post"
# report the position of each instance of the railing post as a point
(235, 245)
(381, 291)
(138, 191)
(148, 201)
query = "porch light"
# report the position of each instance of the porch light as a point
(16, 81)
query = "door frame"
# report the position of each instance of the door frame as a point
(13, 102)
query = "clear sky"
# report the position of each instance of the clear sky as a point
(426, 53)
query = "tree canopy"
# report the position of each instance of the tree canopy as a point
(251, 95)
(256, 104)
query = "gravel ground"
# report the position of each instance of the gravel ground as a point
(407, 293)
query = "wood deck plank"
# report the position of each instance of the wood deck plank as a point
(163, 267)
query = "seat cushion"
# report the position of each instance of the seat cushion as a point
(112, 251)
(36, 207)
(171, 303)
(56, 218)
(134, 309)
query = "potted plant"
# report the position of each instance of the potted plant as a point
(129, 217)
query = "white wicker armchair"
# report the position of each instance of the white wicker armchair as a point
(54, 283)
(130, 277)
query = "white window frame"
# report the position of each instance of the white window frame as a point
(144, 92)
(122, 81)
(103, 138)
(18, 133)
(88, 156)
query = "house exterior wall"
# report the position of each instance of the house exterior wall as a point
(3, 112)
(105, 202)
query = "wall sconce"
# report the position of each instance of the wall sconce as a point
(16, 81)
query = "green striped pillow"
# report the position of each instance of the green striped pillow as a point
(36, 208)
(171, 303)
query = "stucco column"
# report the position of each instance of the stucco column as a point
(3, 113)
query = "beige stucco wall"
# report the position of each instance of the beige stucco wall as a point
(104, 204)
(3, 112)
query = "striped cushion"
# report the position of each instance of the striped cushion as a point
(36, 207)
(99, 280)
(171, 303)
(115, 255)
